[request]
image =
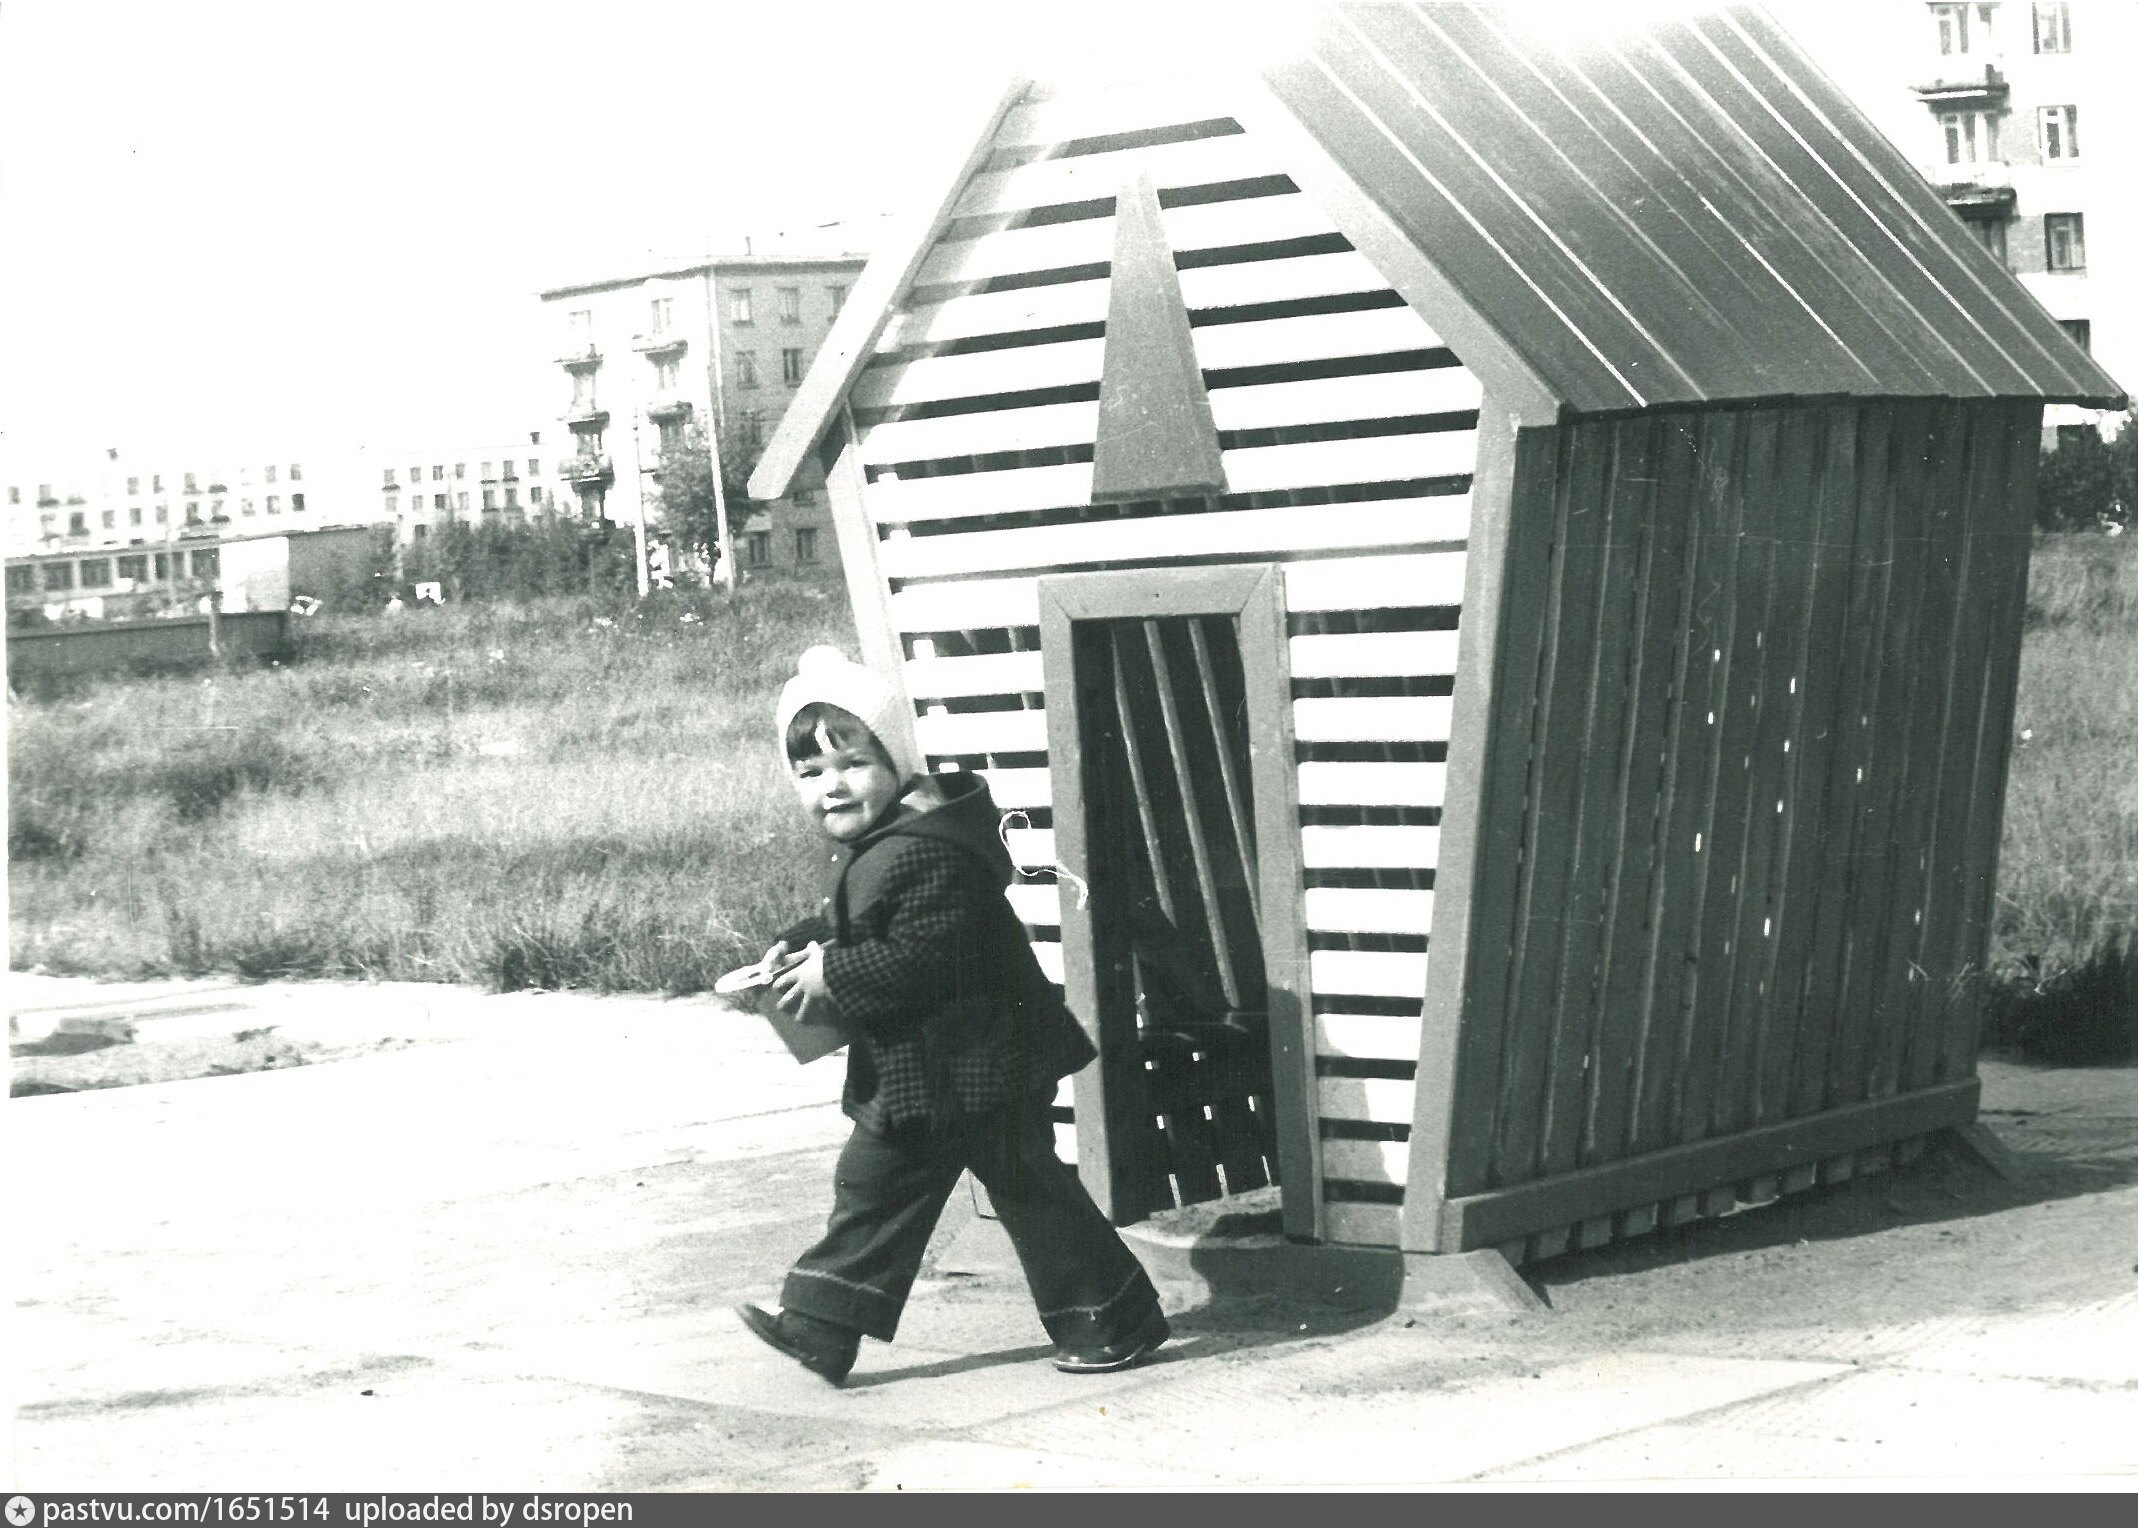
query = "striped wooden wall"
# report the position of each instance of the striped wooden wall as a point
(1348, 435)
(1756, 675)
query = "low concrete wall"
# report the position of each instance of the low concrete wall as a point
(103, 646)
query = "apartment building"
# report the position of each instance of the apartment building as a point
(471, 483)
(2021, 113)
(640, 357)
(58, 500)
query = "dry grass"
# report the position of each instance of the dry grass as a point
(542, 796)
(516, 797)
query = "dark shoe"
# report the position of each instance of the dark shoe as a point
(822, 1347)
(1134, 1348)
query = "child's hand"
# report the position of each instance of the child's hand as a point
(803, 985)
(776, 956)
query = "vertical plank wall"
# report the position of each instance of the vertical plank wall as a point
(1756, 682)
(1348, 433)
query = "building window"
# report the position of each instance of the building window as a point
(109, 519)
(274, 503)
(133, 514)
(534, 467)
(1989, 233)
(59, 575)
(419, 531)
(77, 523)
(2080, 331)
(534, 494)
(155, 482)
(508, 471)
(489, 498)
(270, 472)
(488, 475)
(438, 502)
(207, 563)
(45, 495)
(296, 501)
(393, 504)
(245, 506)
(512, 498)
(1970, 136)
(790, 367)
(460, 502)
(805, 544)
(14, 495)
(389, 477)
(753, 427)
(2052, 26)
(133, 486)
(437, 472)
(2065, 233)
(215, 510)
(163, 514)
(740, 310)
(582, 397)
(664, 374)
(758, 549)
(21, 579)
(460, 469)
(838, 299)
(193, 510)
(96, 573)
(746, 368)
(191, 485)
(296, 473)
(663, 315)
(1964, 29)
(790, 305)
(134, 567)
(2059, 132)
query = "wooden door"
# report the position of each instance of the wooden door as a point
(1169, 724)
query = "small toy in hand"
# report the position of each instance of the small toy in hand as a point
(807, 1025)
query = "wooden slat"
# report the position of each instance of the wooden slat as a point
(1049, 955)
(1095, 177)
(1031, 847)
(1035, 902)
(1366, 1036)
(1367, 973)
(1116, 108)
(1240, 284)
(1382, 1100)
(1395, 582)
(966, 604)
(1374, 654)
(1368, 848)
(1311, 337)
(1224, 533)
(1021, 310)
(981, 434)
(979, 374)
(965, 494)
(946, 733)
(986, 674)
(1375, 459)
(1340, 909)
(1371, 784)
(1362, 1225)
(1341, 400)
(1065, 1143)
(1089, 241)
(1365, 1161)
(1026, 788)
(1379, 719)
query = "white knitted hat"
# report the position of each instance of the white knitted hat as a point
(828, 675)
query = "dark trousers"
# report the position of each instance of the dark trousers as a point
(889, 1191)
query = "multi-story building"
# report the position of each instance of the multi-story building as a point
(729, 339)
(2021, 112)
(493, 483)
(57, 500)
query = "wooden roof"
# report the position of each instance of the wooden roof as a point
(1644, 213)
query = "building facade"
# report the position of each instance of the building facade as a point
(57, 501)
(641, 358)
(470, 483)
(2021, 113)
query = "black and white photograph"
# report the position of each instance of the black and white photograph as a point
(968, 746)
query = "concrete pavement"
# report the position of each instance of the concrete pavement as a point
(498, 1254)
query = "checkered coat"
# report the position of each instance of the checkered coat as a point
(948, 1011)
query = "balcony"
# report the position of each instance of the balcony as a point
(578, 470)
(1989, 88)
(669, 405)
(667, 342)
(581, 358)
(587, 416)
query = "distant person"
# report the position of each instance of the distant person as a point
(956, 1042)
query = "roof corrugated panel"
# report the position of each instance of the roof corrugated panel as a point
(1676, 213)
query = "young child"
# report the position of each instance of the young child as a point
(957, 1041)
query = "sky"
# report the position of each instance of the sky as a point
(227, 224)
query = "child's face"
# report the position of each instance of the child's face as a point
(846, 789)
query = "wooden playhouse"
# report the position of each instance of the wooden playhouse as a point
(1487, 569)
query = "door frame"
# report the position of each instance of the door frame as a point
(1109, 1094)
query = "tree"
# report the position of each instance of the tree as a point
(685, 479)
(2087, 482)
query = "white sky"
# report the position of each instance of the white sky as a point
(227, 223)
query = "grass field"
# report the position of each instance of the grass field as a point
(553, 797)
